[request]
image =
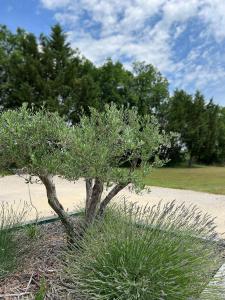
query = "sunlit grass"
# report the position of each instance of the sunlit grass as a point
(199, 178)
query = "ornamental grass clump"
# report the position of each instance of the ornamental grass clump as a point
(145, 253)
(10, 219)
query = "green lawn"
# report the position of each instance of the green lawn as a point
(201, 178)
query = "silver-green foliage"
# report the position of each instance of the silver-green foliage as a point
(105, 141)
(41, 142)
(32, 141)
(151, 253)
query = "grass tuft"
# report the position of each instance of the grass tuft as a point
(199, 178)
(10, 219)
(144, 253)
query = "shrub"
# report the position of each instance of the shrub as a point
(9, 220)
(151, 253)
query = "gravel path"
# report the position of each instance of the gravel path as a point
(72, 195)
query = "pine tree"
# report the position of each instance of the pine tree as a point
(196, 127)
(48, 73)
(21, 69)
(58, 70)
(69, 83)
(209, 152)
(187, 116)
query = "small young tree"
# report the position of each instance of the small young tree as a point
(103, 144)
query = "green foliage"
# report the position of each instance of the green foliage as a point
(32, 231)
(32, 142)
(221, 136)
(45, 71)
(194, 121)
(200, 125)
(10, 218)
(22, 82)
(40, 295)
(96, 147)
(54, 74)
(115, 84)
(103, 142)
(151, 90)
(59, 70)
(151, 253)
(210, 146)
(41, 143)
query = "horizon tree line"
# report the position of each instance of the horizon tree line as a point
(46, 71)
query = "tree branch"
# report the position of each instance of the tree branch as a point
(114, 191)
(56, 205)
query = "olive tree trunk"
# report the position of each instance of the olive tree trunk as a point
(94, 206)
(53, 201)
(89, 188)
(93, 200)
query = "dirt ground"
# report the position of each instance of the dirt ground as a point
(39, 266)
(13, 190)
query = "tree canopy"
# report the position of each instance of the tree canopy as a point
(198, 124)
(93, 149)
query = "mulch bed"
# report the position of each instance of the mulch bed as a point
(40, 263)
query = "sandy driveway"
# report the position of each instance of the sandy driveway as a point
(13, 188)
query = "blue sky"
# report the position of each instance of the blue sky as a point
(185, 40)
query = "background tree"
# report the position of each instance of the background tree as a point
(196, 127)
(221, 136)
(178, 112)
(187, 115)
(87, 92)
(6, 45)
(209, 152)
(21, 69)
(24, 72)
(115, 84)
(60, 70)
(151, 91)
(48, 71)
(51, 73)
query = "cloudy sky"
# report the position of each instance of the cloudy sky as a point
(184, 39)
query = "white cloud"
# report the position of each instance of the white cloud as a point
(65, 18)
(53, 4)
(148, 30)
(213, 13)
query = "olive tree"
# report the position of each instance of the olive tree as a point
(33, 143)
(113, 148)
